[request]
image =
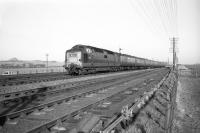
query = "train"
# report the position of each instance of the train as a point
(81, 59)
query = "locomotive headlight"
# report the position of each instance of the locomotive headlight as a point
(88, 50)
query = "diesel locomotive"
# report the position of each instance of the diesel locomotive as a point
(82, 59)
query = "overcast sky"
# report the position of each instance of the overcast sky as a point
(30, 29)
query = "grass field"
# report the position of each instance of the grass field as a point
(194, 66)
(193, 70)
(187, 112)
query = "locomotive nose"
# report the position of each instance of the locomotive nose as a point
(73, 62)
(74, 58)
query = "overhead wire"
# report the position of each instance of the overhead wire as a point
(159, 15)
(170, 12)
(175, 28)
(159, 19)
(158, 12)
(176, 15)
(152, 26)
(153, 16)
(173, 16)
(142, 14)
(167, 18)
(148, 15)
(161, 7)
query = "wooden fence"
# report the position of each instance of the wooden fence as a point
(14, 71)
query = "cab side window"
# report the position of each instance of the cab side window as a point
(85, 57)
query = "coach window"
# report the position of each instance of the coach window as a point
(105, 56)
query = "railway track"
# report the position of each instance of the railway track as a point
(71, 89)
(110, 109)
(13, 92)
(57, 115)
(22, 79)
(12, 80)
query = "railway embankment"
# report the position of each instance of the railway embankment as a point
(175, 107)
(157, 113)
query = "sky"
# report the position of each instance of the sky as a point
(29, 29)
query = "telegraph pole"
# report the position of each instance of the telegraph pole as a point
(174, 53)
(168, 61)
(47, 61)
(120, 50)
(120, 54)
(174, 40)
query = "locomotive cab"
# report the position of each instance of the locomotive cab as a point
(74, 59)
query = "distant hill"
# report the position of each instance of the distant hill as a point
(13, 59)
(50, 63)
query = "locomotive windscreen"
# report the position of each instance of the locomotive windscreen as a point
(72, 54)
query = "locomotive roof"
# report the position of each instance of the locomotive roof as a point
(80, 46)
